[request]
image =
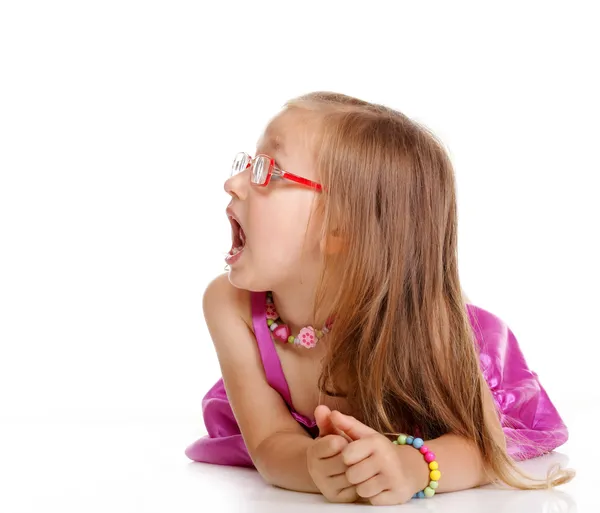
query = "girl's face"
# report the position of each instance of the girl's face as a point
(280, 240)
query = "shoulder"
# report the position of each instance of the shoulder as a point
(259, 409)
(222, 302)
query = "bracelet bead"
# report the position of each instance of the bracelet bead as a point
(417, 443)
(429, 457)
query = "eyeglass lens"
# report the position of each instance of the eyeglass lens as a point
(240, 162)
(260, 169)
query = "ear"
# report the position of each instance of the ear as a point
(333, 243)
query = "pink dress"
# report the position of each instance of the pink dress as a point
(530, 421)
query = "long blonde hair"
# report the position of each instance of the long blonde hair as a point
(402, 350)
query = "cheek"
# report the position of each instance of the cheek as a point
(288, 238)
(280, 226)
(284, 239)
(297, 227)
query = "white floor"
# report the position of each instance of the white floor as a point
(117, 465)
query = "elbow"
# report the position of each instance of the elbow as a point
(281, 460)
(263, 461)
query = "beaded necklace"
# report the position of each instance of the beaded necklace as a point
(308, 336)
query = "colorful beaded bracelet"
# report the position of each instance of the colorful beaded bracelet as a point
(434, 473)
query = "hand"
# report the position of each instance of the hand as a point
(381, 471)
(325, 460)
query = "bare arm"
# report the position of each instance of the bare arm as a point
(275, 441)
(459, 460)
(283, 462)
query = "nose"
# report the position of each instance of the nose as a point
(237, 185)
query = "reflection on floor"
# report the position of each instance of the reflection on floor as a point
(118, 466)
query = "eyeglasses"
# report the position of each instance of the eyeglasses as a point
(263, 168)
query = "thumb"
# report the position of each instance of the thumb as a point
(322, 417)
(353, 428)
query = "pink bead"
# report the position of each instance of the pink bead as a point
(429, 457)
(271, 312)
(424, 449)
(282, 332)
(307, 337)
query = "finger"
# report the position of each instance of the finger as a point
(386, 498)
(329, 446)
(323, 420)
(362, 471)
(371, 487)
(351, 426)
(358, 451)
(322, 417)
(347, 495)
(334, 466)
(339, 483)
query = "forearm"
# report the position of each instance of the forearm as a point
(460, 464)
(281, 461)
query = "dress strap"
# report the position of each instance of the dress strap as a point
(266, 347)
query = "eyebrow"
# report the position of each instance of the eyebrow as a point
(273, 144)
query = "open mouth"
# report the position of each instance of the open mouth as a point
(238, 237)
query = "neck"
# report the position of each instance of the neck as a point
(295, 305)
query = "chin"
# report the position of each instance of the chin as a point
(247, 277)
(239, 281)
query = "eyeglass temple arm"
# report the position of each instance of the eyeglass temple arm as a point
(298, 179)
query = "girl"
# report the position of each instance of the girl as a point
(362, 372)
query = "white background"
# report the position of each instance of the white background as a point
(118, 122)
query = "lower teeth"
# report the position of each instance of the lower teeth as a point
(235, 251)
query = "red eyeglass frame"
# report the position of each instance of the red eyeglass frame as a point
(273, 169)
